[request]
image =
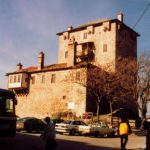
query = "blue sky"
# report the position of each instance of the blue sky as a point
(30, 26)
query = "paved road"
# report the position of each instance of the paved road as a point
(23, 141)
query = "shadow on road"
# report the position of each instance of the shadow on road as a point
(73, 145)
(24, 141)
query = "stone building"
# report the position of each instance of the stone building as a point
(44, 90)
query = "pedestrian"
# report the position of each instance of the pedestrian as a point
(124, 131)
(147, 128)
(49, 134)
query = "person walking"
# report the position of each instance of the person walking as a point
(124, 131)
(49, 135)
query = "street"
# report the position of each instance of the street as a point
(24, 141)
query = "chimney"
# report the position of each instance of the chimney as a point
(19, 67)
(40, 60)
(120, 16)
(69, 28)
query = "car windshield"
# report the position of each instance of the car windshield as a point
(82, 123)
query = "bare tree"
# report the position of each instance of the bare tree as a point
(112, 90)
(101, 83)
(143, 85)
(95, 82)
(135, 80)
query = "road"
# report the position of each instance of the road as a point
(24, 141)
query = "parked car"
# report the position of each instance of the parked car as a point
(103, 129)
(55, 120)
(71, 127)
(30, 124)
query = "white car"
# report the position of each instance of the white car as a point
(98, 129)
(71, 127)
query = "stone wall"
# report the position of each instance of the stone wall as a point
(49, 98)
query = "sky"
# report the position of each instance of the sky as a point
(30, 26)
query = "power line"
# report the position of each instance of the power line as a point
(141, 15)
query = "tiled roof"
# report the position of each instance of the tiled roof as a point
(32, 68)
(46, 68)
(53, 67)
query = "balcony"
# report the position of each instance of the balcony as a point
(85, 52)
(18, 81)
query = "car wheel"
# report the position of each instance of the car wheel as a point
(72, 132)
(59, 132)
(105, 135)
(18, 130)
(37, 131)
(112, 134)
(29, 131)
(96, 134)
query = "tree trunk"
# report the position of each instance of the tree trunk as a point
(97, 112)
(142, 120)
(143, 115)
(111, 113)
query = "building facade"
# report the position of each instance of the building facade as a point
(46, 90)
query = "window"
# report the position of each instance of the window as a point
(15, 78)
(19, 78)
(105, 48)
(10, 79)
(53, 78)
(85, 35)
(43, 79)
(64, 97)
(33, 80)
(78, 76)
(9, 105)
(66, 54)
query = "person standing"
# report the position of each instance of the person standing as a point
(147, 128)
(49, 135)
(124, 131)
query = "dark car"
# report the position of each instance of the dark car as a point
(30, 124)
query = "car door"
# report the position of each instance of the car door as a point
(30, 125)
(75, 125)
(40, 124)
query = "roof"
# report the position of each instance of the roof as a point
(95, 23)
(53, 67)
(33, 69)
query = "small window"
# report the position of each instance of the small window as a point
(33, 80)
(85, 35)
(9, 105)
(10, 79)
(64, 97)
(66, 54)
(78, 76)
(53, 78)
(15, 78)
(19, 78)
(105, 48)
(43, 79)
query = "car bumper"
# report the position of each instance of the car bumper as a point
(63, 130)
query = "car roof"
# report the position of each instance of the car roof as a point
(26, 118)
